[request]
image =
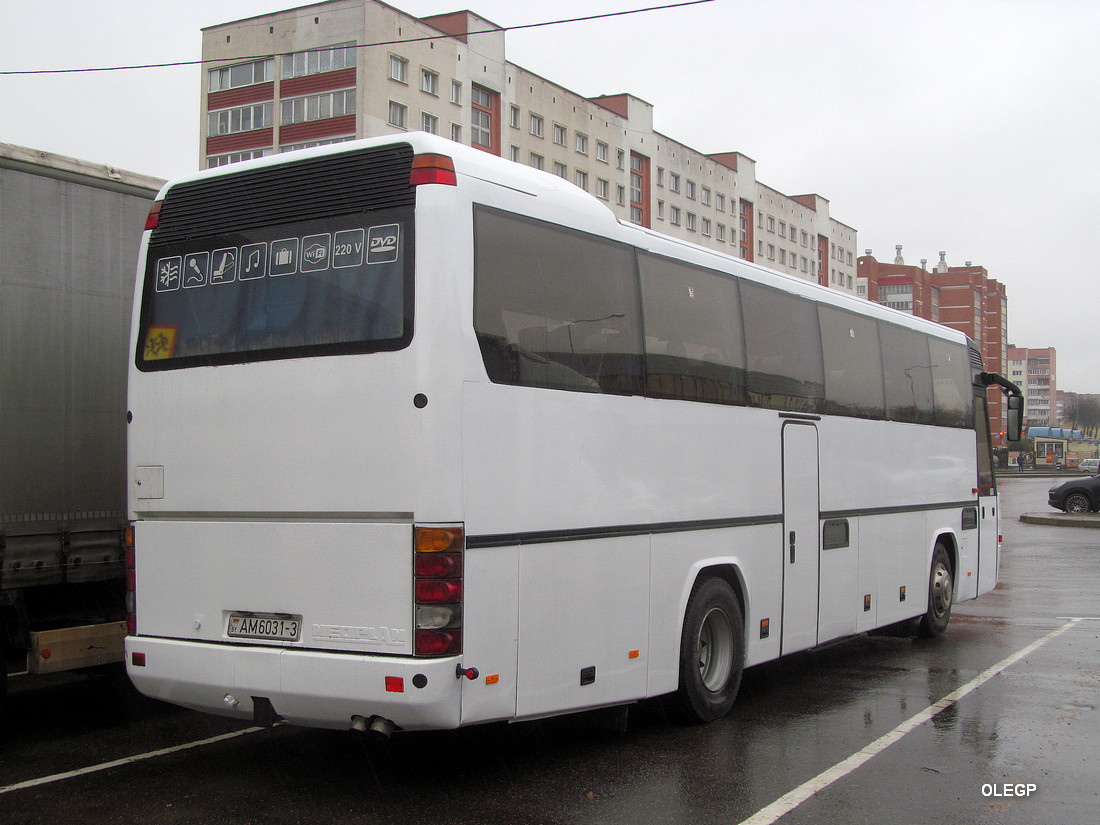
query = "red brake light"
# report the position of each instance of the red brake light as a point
(152, 220)
(439, 565)
(438, 642)
(432, 168)
(438, 591)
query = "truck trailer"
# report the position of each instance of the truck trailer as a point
(69, 234)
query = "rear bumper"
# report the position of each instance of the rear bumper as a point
(305, 687)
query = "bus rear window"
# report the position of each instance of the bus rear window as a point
(333, 285)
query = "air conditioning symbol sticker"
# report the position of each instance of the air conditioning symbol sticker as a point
(383, 244)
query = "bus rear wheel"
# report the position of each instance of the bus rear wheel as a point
(712, 653)
(941, 590)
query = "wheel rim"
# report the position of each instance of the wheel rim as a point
(1077, 503)
(715, 649)
(942, 590)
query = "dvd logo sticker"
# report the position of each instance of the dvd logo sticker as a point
(383, 244)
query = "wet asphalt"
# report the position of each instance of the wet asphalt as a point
(1021, 746)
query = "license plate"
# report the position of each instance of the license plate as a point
(271, 626)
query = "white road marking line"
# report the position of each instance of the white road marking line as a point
(103, 766)
(791, 800)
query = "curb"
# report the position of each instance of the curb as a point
(1063, 519)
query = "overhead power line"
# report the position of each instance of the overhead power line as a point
(360, 45)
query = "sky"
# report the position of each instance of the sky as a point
(967, 126)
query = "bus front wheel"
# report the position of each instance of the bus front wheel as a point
(941, 590)
(712, 653)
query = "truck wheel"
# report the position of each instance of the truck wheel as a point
(712, 653)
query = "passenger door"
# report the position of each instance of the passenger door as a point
(801, 542)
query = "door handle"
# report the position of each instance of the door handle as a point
(792, 546)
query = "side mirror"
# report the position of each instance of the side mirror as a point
(1015, 417)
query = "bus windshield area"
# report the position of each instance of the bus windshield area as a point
(335, 285)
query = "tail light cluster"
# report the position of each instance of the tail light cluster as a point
(437, 589)
(131, 580)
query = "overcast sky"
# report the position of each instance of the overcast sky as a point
(968, 126)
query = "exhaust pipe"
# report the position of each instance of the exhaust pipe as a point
(375, 727)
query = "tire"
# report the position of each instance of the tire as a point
(1077, 503)
(712, 653)
(941, 589)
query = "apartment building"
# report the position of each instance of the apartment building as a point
(345, 69)
(961, 297)
(1035, 371)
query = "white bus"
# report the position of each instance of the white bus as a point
(422, 438)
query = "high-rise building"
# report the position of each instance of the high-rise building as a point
(1035, 371)
(346, 69)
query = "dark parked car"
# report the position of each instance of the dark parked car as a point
(1078, 495)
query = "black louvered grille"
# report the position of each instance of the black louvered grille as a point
(975, 356)
(342, 184)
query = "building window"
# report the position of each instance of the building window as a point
(536, 125)
(561, 170)
(398, 115)
(514, 153)
(222, 160)
(399, 68)
(456, 132)
(581, 179)
(690, 190)
(720, 202)
(603, 189)
(429, 123)
(704, 196)
(582, 143)
(674, 215)
(429, 82)
(720, 233)
(536, 161)
(316, 61)
(639, 189)
(673, 182)
(601, 151)
(318, 107)
(691, 221)
(240, 119)
(243, 74)
(485, 119)
(706, 227)
(513, 117)
(309, 144)
(620, 197)
(560, 134)
(456, 92)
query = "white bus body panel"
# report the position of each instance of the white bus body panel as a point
(590, 516)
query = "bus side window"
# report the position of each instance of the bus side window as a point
(783, 350)
(694, 349)
(554, 307)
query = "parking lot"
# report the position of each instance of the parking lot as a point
(994, 723)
